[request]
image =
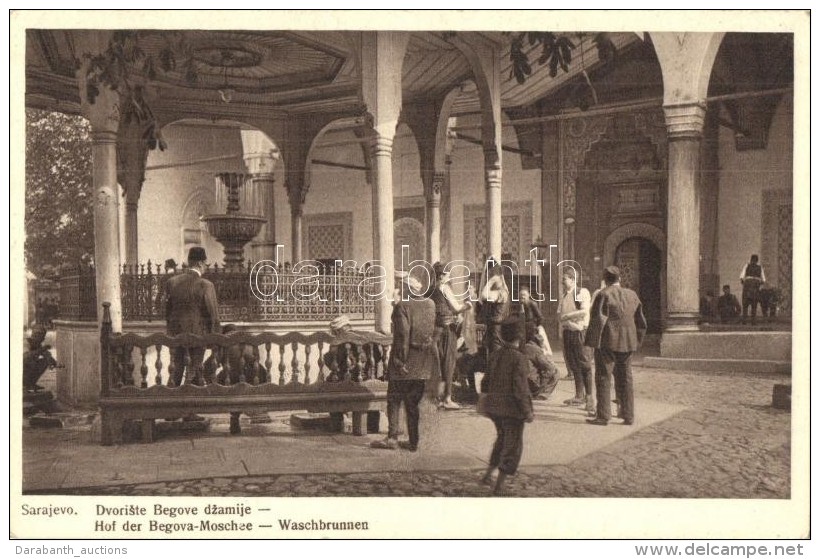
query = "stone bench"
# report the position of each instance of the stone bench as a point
(278, 372)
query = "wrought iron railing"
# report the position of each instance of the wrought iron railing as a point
(78, 297)
(293, 296)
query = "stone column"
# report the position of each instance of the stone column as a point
(132, 201)
(685, 126)
(433, 204)
(382, 150)
(260, 156)
(106, 224)
(492, 178)
(296, 231)
(445, 211)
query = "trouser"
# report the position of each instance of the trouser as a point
(409, 392)
(178, 359)
(492, 340)
(543, 382)
(509, 444)
(446, 339)
(618, 364)
(577, 360)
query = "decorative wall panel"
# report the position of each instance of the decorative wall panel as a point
(328, 235)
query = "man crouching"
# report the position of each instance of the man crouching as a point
(413, 360)
(506, 399)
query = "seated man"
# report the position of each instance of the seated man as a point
(543, 377)
(237, 371)
(36, 360)
(769, 298)
(352, 355)
(728, 306)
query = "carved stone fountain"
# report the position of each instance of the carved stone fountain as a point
(233, 230)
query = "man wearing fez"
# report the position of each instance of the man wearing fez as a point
(616, 330)
(752, 276)
(448, 309)
(190, 308)
(413, 360)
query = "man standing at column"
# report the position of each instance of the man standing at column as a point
(574, 319)
(447, 310)
(191, 308)
(413, 360)
(751, 276)
(616, 330)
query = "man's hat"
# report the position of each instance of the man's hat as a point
(197, 254)
(339, 323)
(612, 273)
(439, 269)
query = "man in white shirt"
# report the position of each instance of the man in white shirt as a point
(752, 276)
(574, 318)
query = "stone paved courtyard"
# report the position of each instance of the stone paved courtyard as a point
(726, 441)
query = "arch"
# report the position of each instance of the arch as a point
(630, 230)
(351, 123)
(482, 56)
(686, 61)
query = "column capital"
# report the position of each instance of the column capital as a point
(492, 178)
(102, 137)
(269, 177)
(432, 191)
(381, 145)
(261, 163)
(685, 120)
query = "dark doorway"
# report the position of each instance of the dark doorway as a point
(640, 263)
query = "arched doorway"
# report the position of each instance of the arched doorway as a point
(641, 266)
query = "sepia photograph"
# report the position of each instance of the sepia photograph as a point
(413, 266)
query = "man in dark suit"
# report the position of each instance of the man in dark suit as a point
(506, 399)
(616, 329)
(413, 360)
(190, 308)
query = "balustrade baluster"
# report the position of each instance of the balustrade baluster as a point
(294, 363)
(307, 363)
(129, 366)
(143, 368)
(172, 369)
(226, 366)
(282, 366)
(216, 357)
(385, 360)
(256, 366)
(158, 365)
(361, 368)
(370, 364)
(198, 367)
(321, 362)
(268, 362)
(242, 363)
(186, 367)
(119, 369)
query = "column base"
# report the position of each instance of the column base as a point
(682, 322)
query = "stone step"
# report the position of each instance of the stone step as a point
(719, 365)
(61, 420)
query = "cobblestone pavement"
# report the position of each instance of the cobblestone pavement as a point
(728, 443)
